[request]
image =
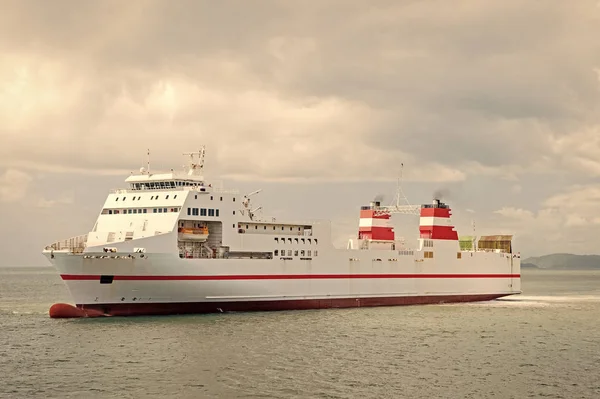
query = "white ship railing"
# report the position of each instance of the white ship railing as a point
(73, 244)
(180, 188)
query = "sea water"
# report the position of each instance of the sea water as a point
(542, 343)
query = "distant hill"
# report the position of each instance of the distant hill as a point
(563, 262)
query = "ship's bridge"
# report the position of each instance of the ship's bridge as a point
(164, 181)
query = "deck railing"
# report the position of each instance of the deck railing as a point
(73, 244)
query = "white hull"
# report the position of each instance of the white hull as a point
(165, 278)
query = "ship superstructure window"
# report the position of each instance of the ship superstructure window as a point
(202, 211)
(276, 252)
(211, 212)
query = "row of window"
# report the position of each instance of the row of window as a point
(162, 184)
(301, 252)
(202, 212)
(296, 240)
(138, 210)
(265, 227)
(154, 197)
(211, 198)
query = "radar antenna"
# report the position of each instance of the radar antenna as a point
(196, 168)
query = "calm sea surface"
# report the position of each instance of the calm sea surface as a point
(543, 343)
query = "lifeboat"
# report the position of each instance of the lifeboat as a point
(193, 234)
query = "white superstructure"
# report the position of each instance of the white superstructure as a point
(174, 243)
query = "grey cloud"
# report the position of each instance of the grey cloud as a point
(307, 90)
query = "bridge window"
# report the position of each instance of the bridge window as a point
(211, 212)
(216, 212)
(202, 211)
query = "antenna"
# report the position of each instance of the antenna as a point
(474, 236)
(196, 168)
(148, 168)
(399, 192)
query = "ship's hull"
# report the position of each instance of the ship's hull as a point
(161, 284)
(147, 309)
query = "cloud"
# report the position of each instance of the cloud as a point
(13, 185)
(449, 90)
(565, 220)
(499, 98)
(63, 200)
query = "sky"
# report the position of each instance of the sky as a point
(493, 104)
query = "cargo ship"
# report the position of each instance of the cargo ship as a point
(174, 243)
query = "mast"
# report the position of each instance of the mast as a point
(196, 168)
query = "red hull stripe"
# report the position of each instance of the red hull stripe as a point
(435, 212)
(139, 309)
(285, 277)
